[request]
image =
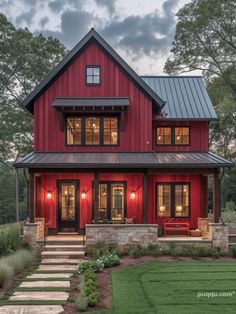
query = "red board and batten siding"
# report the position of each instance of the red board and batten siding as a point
(49, 183)
(198, 136)
(137, 134)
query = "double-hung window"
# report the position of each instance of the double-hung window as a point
(93, 75)
(172, 135)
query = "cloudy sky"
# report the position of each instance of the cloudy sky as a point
(140, 30)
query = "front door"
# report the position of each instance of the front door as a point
(68, 206)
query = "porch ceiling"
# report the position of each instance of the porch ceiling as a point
(122, 160)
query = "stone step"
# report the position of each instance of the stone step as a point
(57, 267)
(58, 276)
(31, 309)
(64, 247)
(39, 296)
(232, 238)
(45, 284)
(62, 254)
(61, 261)
(64, 242)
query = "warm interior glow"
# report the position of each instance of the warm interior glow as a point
(83, 195)
(162, 209)
(49, 195)
(133, 195)
(179, 209)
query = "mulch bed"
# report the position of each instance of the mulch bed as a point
(105, 285)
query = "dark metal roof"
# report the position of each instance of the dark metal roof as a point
(92, 35)
(186, 97)
(122, 160)
(90, 102)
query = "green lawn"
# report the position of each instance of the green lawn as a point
(173, 288)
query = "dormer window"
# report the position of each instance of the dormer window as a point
(93, 75)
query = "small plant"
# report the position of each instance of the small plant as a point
(233, 252)
(110, 260)
(81, 302)
(93, 298)
(153, 250)
(96, 266)
(137, 251)
(6, 271)
(10, 239)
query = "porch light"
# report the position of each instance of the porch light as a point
(83, 195)
(49, 195)
(133, 195)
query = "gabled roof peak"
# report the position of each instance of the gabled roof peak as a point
(91, 35)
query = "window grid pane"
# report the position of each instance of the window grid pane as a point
(110, 134)
(93, 75)
(74, 131)
(117, 201)
(182, 200)
(181, 135)
(92, 131)
(164, 136)
(164, 200)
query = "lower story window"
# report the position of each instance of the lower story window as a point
(173, 199)
(111, 201)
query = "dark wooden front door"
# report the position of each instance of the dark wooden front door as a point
(68, 206)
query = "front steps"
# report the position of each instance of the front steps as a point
(63, 247)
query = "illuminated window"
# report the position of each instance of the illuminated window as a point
(111, 201)
(164, 136)
(110, 131)
(92, 130)
(173, 199)
(74, 131)
(93, 75)
(182, 135)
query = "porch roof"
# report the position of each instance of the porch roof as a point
(122, 160)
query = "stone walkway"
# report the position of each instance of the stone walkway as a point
(49, 284)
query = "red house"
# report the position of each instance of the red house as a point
(110, 145)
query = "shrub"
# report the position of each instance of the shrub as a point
(89, 274)
(153, 250)
(96, 266)
(9, 265)
(101, 248)
(93, 298)
(19, 259)
(110, 260)
(81, 302)
(137, 251)
(6, 271)
(233, 251)
(10, 239)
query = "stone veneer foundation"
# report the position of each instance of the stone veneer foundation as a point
(121, 234)
(220, 236)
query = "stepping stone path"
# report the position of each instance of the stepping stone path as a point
(51, 281)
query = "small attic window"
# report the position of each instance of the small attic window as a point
(93, 75)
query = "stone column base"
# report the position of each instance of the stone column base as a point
(203, 225)
(220, 236)
(30, 235)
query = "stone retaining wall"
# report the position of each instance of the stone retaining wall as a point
(32, 233)
(121, 234)
(220, 236)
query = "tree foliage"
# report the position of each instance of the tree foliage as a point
(24, 60)
(205, 40)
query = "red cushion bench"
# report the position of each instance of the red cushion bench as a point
(176, 226)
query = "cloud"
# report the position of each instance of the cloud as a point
(74, 25)
(150, 34)
(108, 4)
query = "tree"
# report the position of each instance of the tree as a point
(24, 60)
(205, 40)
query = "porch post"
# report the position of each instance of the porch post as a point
(95, 198)
(31, 197)
(145, 198)
(17, 195)
(204, 198)
(216, 196)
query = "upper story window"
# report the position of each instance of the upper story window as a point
(93, 75)
(92, 130)
(172, 136)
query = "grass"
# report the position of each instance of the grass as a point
(173, 287)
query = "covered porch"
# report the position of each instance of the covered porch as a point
(132, 180)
